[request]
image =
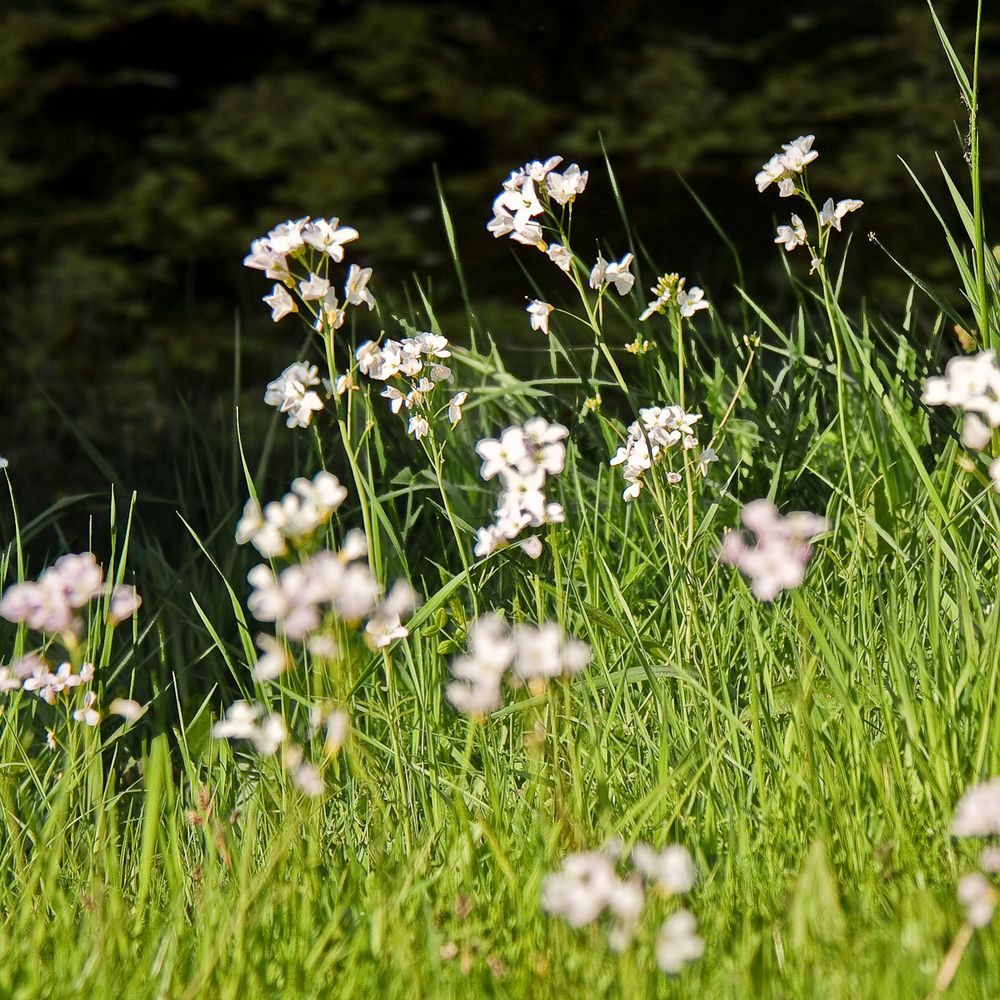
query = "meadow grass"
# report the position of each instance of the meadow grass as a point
(809, 752)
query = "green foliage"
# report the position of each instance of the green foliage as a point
(809, 752)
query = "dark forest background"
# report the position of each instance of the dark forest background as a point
(144, 143)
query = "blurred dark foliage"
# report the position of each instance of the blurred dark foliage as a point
(144, 143)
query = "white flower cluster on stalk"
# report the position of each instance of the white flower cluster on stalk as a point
(55, 604)
(649, 441)
(670, 294)
(784, 167)
(523, 458)
(297, 255)
(525, 654)
(777, 559)
(293, 519)
(972, 385)
(299, 598)
(527, 194)
(415, 367)
(317, 600)
(293, 394)
(588, 886)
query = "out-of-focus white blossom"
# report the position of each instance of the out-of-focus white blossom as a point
(777, 559)
(678, 942)
(978, 897)
(86, 713)
(671, 870)
(580, 891)
(297, 516)
(971, 384)
(127, 709)
(50, 603)
(529, 653)
(248, 722)
(978, 811)
(125, 602)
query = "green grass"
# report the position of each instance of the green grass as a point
(808, 752)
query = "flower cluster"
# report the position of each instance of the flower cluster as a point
(650, 439)
(294, 518)
(588, 886)
(523, 458)
(32, 673)
(527, 194)
(292, 393)
(53, 603)
(781, 551)
(972, 384)
(267, 733)
(297, 255)
(526, 654)
(299, 598)
(784, 167)
(414, 367)
(670, 294)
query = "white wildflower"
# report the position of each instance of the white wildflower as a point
(315, 288)
(87, 714)
(671, 870)
(978, 811)
(781, 551)
(290, 392)
(538, 313)
(792, 236)
(615, 273)
(280, 302)
(356, 287)
(564, 187)
(678, 942)
(978, 897)
(127, 709)
(833, 215)
(329, 237)
(455, 405)
(561, 256)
